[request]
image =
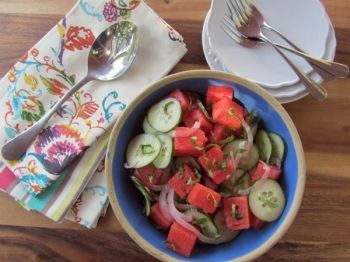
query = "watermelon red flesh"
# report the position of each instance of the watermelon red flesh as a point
(182, 97)
(191, 145)
(208, 182)
(194, 115)
(219, 133)
(228, 113)
(255, 222)
(183, 182)
(274, 172)
(214, 164)
(215, 93)
(204, 198)
(239, 219)
(157, 216)
(181, 240)
(149, 175)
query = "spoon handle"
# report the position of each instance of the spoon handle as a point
(14, 148)
(328, 70)
(315, 90)
(328, 67)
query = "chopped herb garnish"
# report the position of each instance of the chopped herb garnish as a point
(151, 177)
(147, 149)
(181, 172)
(190, 181)
(170, 244)
(234, 213)
(268, 199)
(212, 198)
(227, 140)
(194, 143)
(200, 221)
(232, 114)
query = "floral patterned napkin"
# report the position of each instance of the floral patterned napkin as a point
(56, 63)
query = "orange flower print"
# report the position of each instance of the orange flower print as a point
(78, 38)
(12, 75)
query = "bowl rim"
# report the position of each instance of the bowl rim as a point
(296, 203)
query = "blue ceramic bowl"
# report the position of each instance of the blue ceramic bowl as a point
(128, 206)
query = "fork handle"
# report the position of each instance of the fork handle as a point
(327, 69)
(315, 90)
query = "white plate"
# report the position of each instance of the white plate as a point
(303, 22)
(284, 94)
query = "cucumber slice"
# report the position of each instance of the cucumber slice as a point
(166, 152)
(263, 143)
(226, 235)
(165, 115)
(266, 200)
(142, 150)
(147, 128)
(277, 149)
(247, 161)
(204, 222)
(145, 193)
(180, 161)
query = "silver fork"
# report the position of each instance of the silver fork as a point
(247, 26)
(326, 69)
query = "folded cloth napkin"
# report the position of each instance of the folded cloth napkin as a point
(56, 63)
(59, 198)
(43, 74)
(92, 202)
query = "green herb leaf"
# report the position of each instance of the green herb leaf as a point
(232, 114)
(212, 198)
(268, 199)
(194, 143)
(227, 140)
(200, 221)
(147, 149)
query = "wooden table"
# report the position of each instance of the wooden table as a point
(321, 231)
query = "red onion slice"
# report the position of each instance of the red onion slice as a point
(186, 133)
(163, 204)
(185, 224)
(266, 168)
(250, 137)
(172, 209)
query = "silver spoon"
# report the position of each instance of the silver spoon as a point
(111, 55)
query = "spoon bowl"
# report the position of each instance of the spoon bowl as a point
(110, 56)
(113, 51)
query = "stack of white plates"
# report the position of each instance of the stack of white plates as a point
(305, 23)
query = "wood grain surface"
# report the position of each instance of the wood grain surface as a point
(321, 231)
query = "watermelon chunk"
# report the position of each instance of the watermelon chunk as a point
(149, 175)
(215, 165)
(274, 172)
(181, 240)
(182, 97)
(204, 198)
(228, 113)
(194, 115)
(183, 182)
(219, 133)
(191, 145)
(215, 93)
(236, 212)
(255, 222)
(157, 216)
